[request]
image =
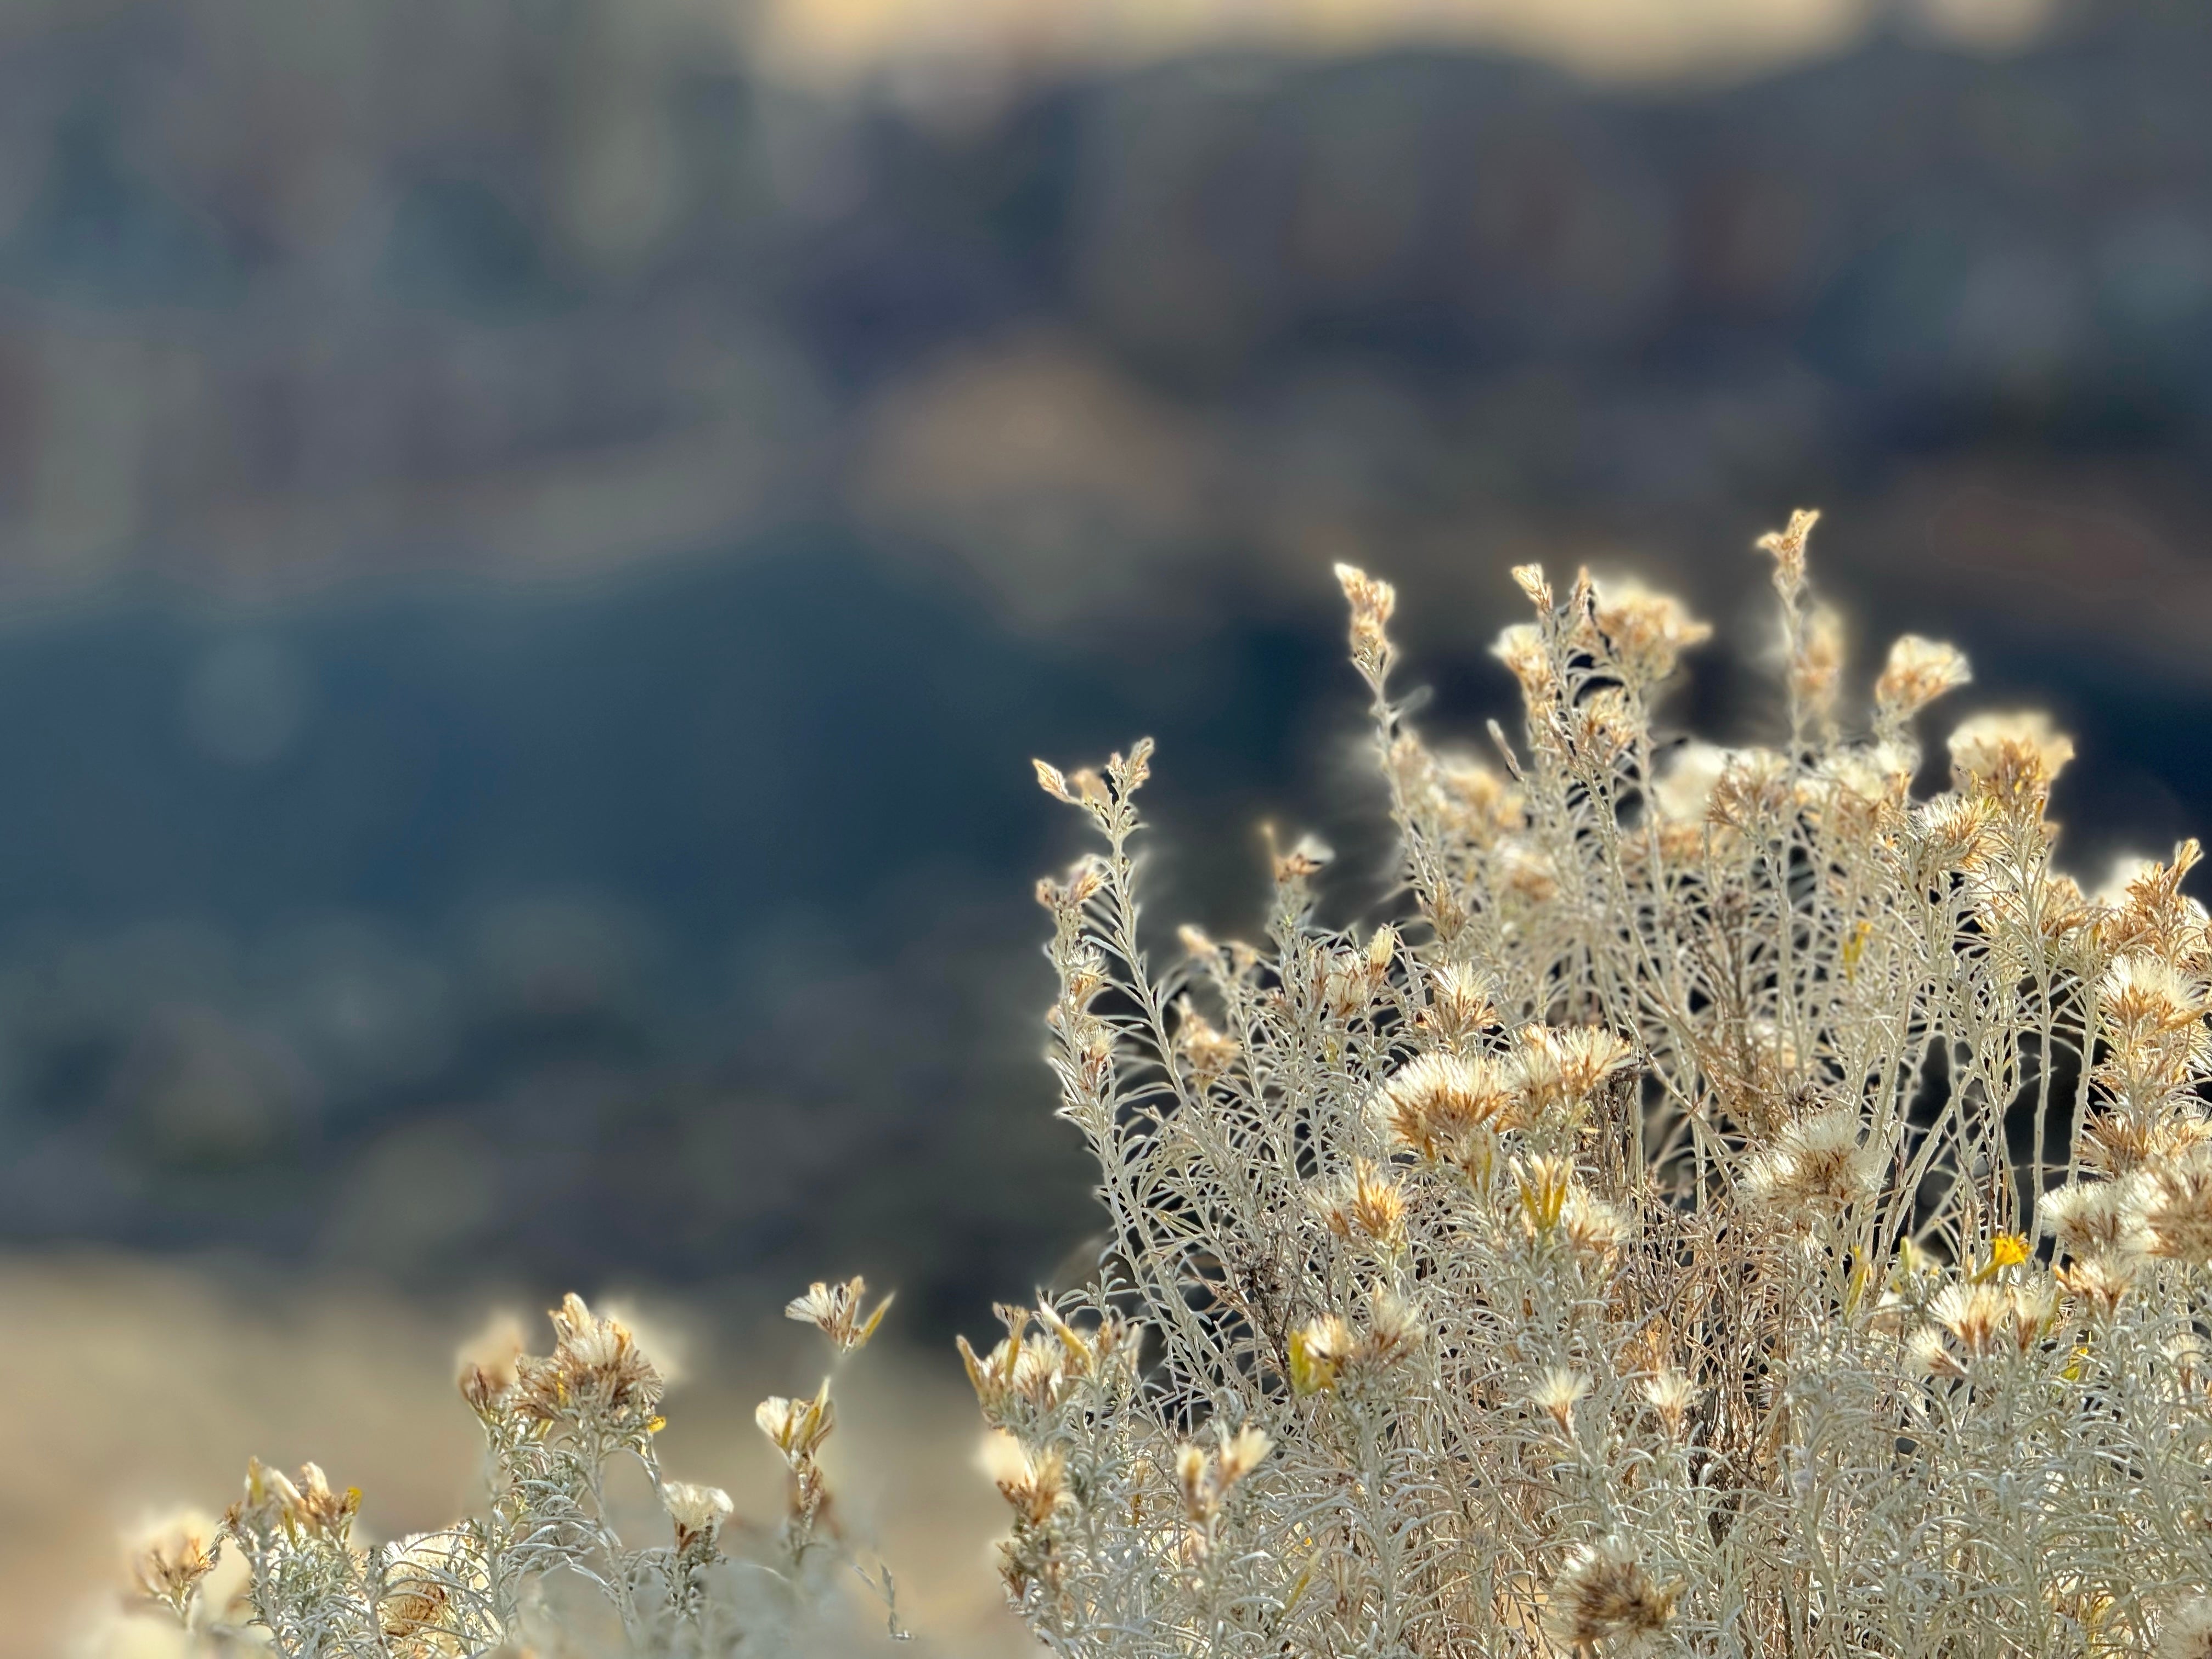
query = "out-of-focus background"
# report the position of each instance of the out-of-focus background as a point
(538, 538)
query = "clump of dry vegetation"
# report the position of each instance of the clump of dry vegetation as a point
(544, 1570)
(1728, 1205)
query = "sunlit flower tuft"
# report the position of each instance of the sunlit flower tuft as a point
(836, 1311)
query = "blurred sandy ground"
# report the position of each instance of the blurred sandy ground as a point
(134, 1385)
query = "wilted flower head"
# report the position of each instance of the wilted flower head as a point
(1646, 632)
(1204, 1478)
(1308, 855)
(1244, 1452)
(1604, 1596)
(696, 1512)
(796, 1428)
(1543, 1185)
(1521, 648)
(1372, 602)
(1476, 801)
(2010, 756)
(1030, 1371)
(1035, 1482)
(1788, 547)
(1207, 1050)
(306, 1505)
(171, 1557)
(436, 1587)
(1918, 672)
(1556, 1065)
(1365, 1203)
(488, 1364)
(597, 1376)
(836, 1311)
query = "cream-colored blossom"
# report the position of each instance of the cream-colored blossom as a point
(1918, 670)
(836, 1311)
(696, 1512)
(2008, 754)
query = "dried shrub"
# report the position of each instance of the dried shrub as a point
(1727, 1203)
(544, 1570)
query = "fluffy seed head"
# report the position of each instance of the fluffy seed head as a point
(1434, 1101)
(1034, 1483)
(1557, 1393)
(1593, 1228)
(1684, 787)
(1556, 1065)
(488, 1364)
(1672, 1395)
(1604, 1596)
(1241, 1453)
(2100, 1282)
(1318, 1352)
(2175, 1197)
(2186, 1632)
(1817, 1165)
(2092, 1217)
(1395, 1326)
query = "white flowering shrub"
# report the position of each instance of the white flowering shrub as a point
(1730, 1205)
(544, 1570)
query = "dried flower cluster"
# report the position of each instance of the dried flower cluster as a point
(1728, 1204)
(544, 1570)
